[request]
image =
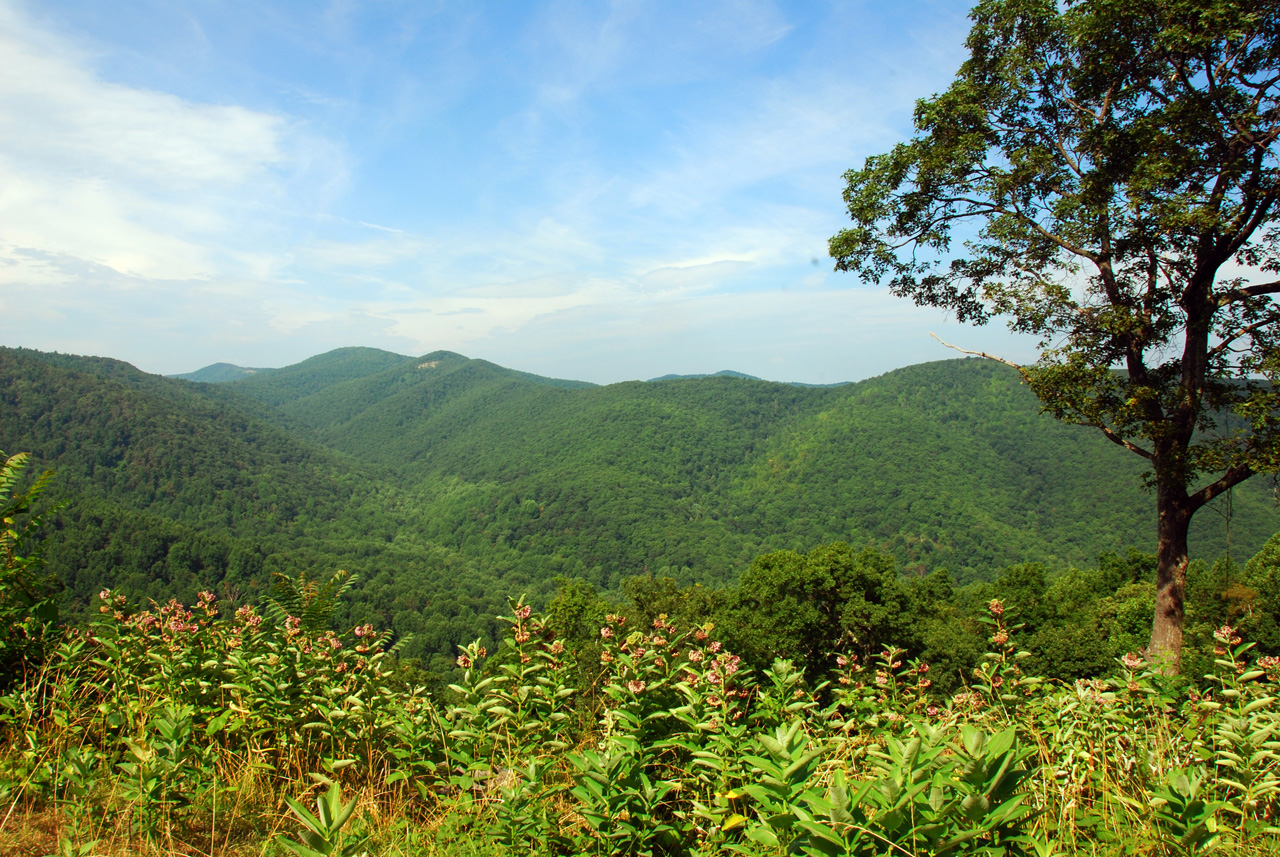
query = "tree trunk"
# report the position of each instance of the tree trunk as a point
(1173, 511)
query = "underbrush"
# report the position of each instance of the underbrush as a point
(177, 730)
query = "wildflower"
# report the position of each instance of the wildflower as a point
(659, 641)
(557, 648)
(842, 661)
(695, 655)
(922, 669)
(882, 677)
(661, 622)
(293, 626)
(635, 686)
(522, 636)
(844, 679)
(1000, 638)
(713, 700)
(1133, 687)
(105, 595)
(335, 643)
(464, 661)
(996, 607)
(615, 619)
(715, 646)
(700, 634)
(924, 683)
(892, 716)
(524, 613)
(997, 681)
(1132, 661)
(606, 657)
(606, 632)
(931, 711)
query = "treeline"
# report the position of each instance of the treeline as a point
(1075, 624)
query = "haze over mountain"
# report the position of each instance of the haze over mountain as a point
(449, 483)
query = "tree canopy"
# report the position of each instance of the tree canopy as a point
(1104, 175)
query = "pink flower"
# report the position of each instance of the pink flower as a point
(715, 646)
(635, 686)
(464, 661)
(1132, 661)
(996, 607)
(606, 632)
(695, 655)
(842, 661)
(524, 613)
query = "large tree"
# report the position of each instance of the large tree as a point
(1104, 175)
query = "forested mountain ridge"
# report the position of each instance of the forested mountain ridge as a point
(449, 483)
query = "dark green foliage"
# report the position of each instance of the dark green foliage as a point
(809, 606)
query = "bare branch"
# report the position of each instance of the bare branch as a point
(1010, 363)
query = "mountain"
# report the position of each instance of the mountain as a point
(449, 483)
(218, 373)
(723, 373)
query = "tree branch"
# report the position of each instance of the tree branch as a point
(1245, 292)
(1234, 476)
(1010, 363)
(1110, 435)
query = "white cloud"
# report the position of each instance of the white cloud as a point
(140, 181)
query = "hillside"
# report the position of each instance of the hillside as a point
(449, 483)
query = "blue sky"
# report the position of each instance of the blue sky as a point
(600, 191)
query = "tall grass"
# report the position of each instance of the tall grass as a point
(179, 730)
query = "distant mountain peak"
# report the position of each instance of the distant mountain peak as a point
(220, 373)
(723, 373)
